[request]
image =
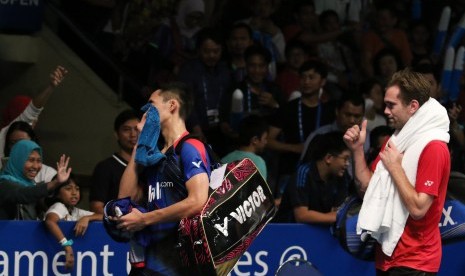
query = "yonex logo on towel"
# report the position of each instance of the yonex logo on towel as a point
(429, 183)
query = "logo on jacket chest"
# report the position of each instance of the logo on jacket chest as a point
(156, 190)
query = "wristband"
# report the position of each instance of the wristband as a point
(64, 242)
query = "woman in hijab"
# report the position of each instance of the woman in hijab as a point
(19, 192)
(20, 130)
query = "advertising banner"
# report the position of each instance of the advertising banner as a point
(26, 248)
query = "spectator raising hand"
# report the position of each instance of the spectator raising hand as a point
(57, 76)
(30, 113)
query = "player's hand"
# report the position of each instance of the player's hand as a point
(391, 157)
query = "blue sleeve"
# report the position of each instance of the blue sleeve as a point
(194, 158)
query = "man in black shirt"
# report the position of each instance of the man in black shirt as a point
(320, 185)
(107, 174)
(297, 119)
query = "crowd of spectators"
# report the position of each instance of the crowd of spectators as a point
(306, 68)
(275, 81)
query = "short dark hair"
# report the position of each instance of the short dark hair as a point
(178, 91)
(385, 6)
(123, 117)
(295, 44)
(385, 52)
(316, 65)
(21, 126)
(427, 68)
(49, 201)
(352, 97)
(257, 50)
(327, 14)
(298, 5)
(250, 127)
(328, 143)
(412, 85)
(209, 33)
(379, 131)
(366, 86)
(241, 25)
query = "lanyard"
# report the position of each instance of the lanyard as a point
(249, 96)
(205, 94)
(249, 99)
(300, 119)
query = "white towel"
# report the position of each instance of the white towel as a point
(383, 213)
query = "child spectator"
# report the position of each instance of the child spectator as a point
(253, 136)
(66, 197)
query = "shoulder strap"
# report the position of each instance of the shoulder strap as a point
(214, 159)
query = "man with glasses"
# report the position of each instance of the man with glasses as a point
(319, 185)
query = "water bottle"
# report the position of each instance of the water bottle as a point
(237, 108)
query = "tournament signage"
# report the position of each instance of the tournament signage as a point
(26, 248)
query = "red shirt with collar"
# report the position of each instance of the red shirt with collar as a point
(419, 246)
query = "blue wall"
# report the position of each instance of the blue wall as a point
(97, 254)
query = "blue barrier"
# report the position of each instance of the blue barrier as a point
(26, 248)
